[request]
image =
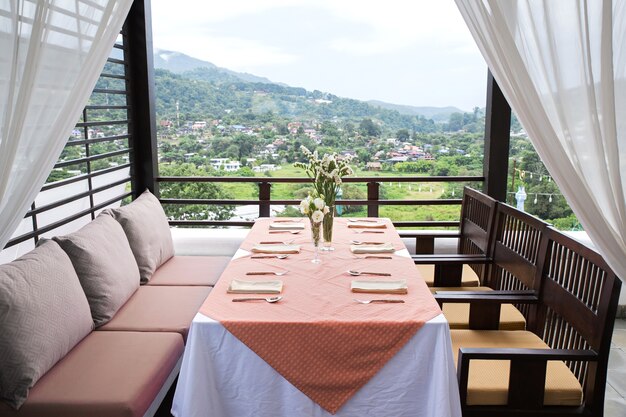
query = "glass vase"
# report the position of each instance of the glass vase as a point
(315, 234)
(327, 229)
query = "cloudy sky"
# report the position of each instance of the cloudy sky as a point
(416, 52)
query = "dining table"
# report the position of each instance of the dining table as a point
(356, 334)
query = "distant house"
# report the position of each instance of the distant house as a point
(397, 159)
(198, 125)
(166, 123)
(265, 168)
(232, 166)
(373, 166)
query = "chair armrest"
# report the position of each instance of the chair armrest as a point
(487, 297)
(425, 239)
(426, 234)
(450, 259)
(527, 373)
(485, 306)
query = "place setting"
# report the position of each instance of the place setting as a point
(366, 224)
(368, 247)
(238, 286)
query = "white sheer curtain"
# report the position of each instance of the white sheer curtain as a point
(52, 54)
(562, 67)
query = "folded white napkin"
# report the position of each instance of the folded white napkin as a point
(384, 248)
(238, 286)
(366, 225)
(380, 287)
(286, 226)
(276, 248)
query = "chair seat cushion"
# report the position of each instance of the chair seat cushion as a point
(108, 374)
(458, 316)
(468, 277)
(434, 290)
(159, 309)
(488, 379)
(190, 271)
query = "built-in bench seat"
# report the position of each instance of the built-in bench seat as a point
(108, 374)
(159, 309)
(190, 271)
(94, 323)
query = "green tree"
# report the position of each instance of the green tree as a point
(369, 128)
(193, 190)
(403, 134)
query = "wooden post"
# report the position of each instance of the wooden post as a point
(142, 112)
(265, 195)
(373, 196)
(497, 139)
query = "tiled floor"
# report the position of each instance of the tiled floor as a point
(615, 402)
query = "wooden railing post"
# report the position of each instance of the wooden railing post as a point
(373, 189)
(265, 194)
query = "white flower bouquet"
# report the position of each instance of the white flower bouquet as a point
(327, 173)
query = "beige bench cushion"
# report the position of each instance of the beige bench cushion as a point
(458, 316)
(468, 277)
(190, 270)
(159, 309)
(108, 374)
(488, 380)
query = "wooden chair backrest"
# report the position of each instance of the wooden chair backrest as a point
(578, 303)
(517, 250)
(519, 247)
(478, 213)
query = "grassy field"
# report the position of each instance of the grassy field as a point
(388, 191)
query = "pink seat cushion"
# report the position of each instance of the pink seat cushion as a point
(190, 270)
(159, 309)
(108, 374)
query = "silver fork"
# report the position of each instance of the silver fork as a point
(368, 231)
(377, 301)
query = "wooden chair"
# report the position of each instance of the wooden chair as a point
(466, 268)
(558, 366)
(512, 267)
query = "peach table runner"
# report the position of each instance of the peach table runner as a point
(317, 337)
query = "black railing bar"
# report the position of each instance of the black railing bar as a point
(183, 223)
(434, 223)
(307, 180)
(97, 140)
(109, 107)
(208, 201)
(210, 223)
(75, 197)
(91, 158)
(107, 91)
(115, 76)
(83, 177)
(116, 61)
(66, 220)
(103, 123)
(119, 46)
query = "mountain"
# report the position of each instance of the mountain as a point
(438, 114)
(205, 91)
(194, 68)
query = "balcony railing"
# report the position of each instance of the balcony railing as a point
(265, 200)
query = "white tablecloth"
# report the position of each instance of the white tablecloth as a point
(222, 377)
